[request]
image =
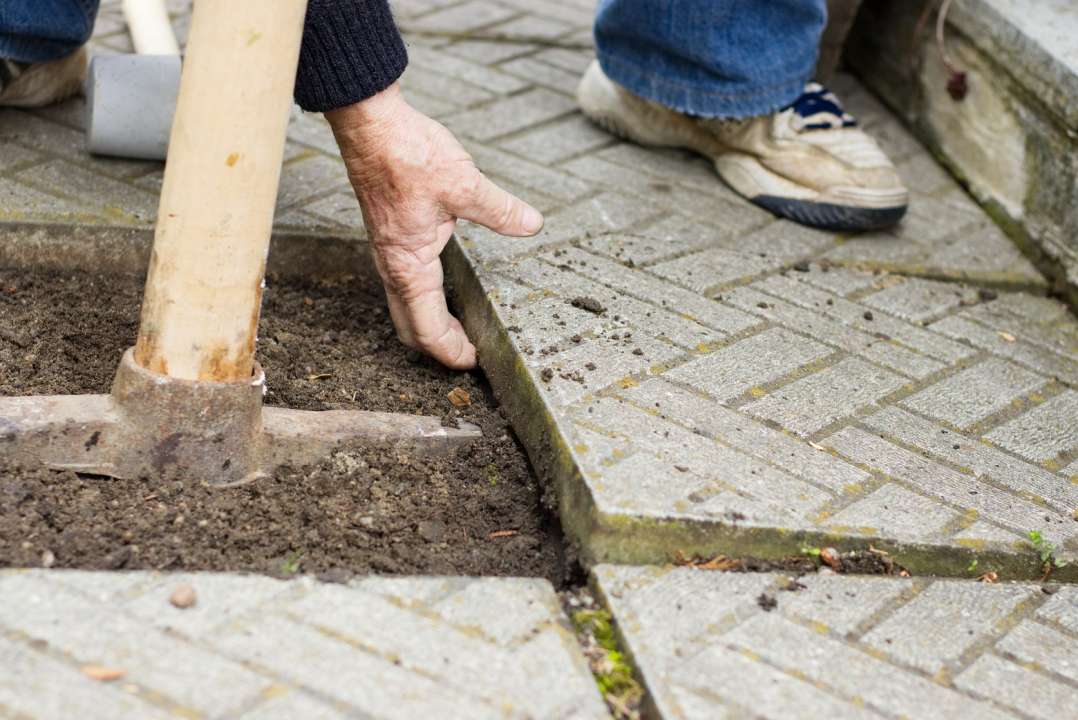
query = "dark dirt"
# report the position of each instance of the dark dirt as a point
(854, 562)
(323, 346)
(588, 303)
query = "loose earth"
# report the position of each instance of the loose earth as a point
(323, 346)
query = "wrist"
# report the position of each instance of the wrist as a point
(366, 118)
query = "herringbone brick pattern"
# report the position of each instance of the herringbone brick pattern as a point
(255, 647)
(830, 646)
(745, 373)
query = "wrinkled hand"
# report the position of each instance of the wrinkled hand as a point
(413, 181)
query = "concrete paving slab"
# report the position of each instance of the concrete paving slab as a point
(744, 385)
(777, 429)
(710, 644)
(257, 647)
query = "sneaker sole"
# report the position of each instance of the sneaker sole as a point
(828, 216)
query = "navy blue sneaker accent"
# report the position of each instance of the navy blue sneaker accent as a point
(819, 109)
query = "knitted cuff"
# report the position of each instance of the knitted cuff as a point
(351, 51)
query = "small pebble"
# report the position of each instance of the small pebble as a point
(183, 597)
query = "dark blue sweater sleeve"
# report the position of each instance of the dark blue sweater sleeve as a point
(351, 51)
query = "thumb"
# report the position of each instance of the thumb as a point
(502, 212)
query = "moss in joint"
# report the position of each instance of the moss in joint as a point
(612, 672)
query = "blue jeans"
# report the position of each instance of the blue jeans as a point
(712, 58)
(38, 30)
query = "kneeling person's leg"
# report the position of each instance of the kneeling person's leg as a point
(734, 85)
(42, 59)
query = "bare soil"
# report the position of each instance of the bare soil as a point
(323, 346)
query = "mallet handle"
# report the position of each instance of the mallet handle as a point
(204, 289)
(151, 32)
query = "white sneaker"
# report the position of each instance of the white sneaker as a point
(28, 85)
(809, 162)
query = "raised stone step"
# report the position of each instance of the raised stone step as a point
(1014, 136)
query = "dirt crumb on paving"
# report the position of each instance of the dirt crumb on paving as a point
(323, 346)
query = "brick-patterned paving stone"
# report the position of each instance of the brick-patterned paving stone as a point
(1011, 684)
(746, 434)
(951, 486)
(256, 647)
(811, 403)
(757, 360)
(983, 460)
(818, 647)
(881, 349)
(35, 684)
(779, 353)
(933, 630)
(514, 113)
(464, 17)
(1062, 608)
(1005, 344)
(920, 300)
(893, 511)
(1044, 432)
(559, 140)
(972, 395)
(93, 633)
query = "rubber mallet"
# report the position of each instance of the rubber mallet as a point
(131, 99)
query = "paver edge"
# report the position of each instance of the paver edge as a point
(600, 538)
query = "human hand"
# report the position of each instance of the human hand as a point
(413, 181)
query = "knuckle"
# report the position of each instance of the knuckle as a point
(508, 213)
(472, 189)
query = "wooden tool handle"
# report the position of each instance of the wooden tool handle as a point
(151, 32)
(204, 289)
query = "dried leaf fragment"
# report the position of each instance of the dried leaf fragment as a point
(831, 557)
(101, 673)
(459, 397)
(1007, 337)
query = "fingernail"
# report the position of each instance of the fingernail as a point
(532, 220)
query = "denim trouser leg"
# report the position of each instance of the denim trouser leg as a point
(713, 58)
(38, 30)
